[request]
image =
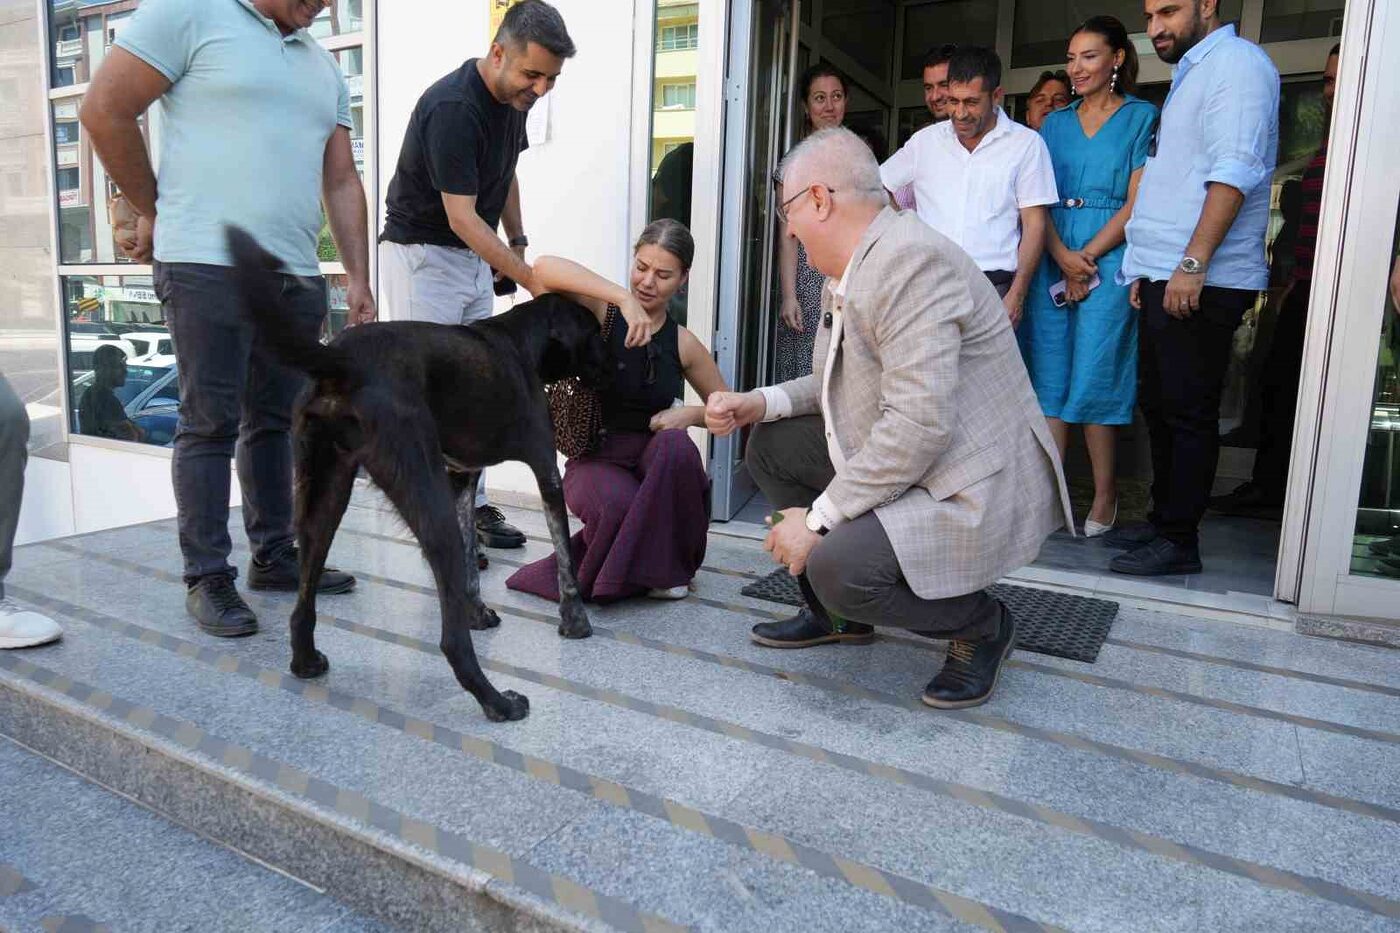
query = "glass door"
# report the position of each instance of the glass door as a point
(1351, 561)
(757, 95)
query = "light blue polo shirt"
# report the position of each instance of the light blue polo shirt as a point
(1219, 124)
(244, 128)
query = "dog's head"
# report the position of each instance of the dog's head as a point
(573, 343)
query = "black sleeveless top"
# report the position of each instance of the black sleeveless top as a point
(645, 380)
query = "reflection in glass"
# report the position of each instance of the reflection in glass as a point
(84, 191)
(1040, 32)
(674, 74)
(339, 18)
(1301, 19)
(863, 30)
(121, 361)
(352, 65)
(929, 26)
(1376, 546)
(82, 33)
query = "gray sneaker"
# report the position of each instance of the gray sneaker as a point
(218, 609)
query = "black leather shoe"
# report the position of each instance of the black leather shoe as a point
(806, 630)
(493, 531)
(1161, 558)
(1129, 536)
(283, 575)
(1248, 499)
(218, 609)
(972, 669)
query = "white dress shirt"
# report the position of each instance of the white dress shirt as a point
(975, 198)
(780, 406)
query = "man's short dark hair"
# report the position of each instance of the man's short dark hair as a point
(538, 22)
(970, 62)
(107, 355)
(939, 55)
(1336, 50)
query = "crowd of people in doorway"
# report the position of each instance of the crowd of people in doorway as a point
(950, 314)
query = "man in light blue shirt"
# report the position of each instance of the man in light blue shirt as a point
(255, 132)
(1196, 259)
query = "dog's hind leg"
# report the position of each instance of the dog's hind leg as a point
(325, 479)
(405, 460)
(464, 488)
(573, 618)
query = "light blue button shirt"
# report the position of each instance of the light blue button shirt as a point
(244, 128)
(1219, 124)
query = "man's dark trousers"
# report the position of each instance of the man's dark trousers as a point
(234, 398)
(854, 571)
(1182, 364)
(1279, 393)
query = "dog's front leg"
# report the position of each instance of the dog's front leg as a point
(483, 616)
(573, 618)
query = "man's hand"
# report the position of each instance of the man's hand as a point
(1076, 291)
(792, 314)
(361, 302)
(1183, 295)
(136, 238)
(1014, 306)
(791, 541)
(727, 412)
(677, 418)
(640, 327)
(1135, 294)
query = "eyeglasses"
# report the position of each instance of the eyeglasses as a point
(783, 208)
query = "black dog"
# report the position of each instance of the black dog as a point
(424, 408)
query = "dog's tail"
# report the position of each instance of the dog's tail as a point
(258, 274)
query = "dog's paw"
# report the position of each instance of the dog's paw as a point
(573, 622)
(309, 670)
(513, 706)
(484, 618)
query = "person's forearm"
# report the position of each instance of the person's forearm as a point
(118, 142)
(1028, 255)
(483, 241)
(349, 221)
(512, 222)
(1217, 217)
(1112, 234)
(1053, 244)
(787, 272)
(568, 278)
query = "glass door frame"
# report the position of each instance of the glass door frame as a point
(1355, 237)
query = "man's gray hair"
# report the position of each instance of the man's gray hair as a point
(538, 22)
(837, 158)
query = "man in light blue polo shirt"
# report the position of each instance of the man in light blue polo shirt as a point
(1196, 259)
(255, 132)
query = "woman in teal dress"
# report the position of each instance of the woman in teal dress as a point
(1082, 355)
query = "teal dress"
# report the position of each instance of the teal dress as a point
(1083, 359)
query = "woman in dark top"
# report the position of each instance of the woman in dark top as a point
(642, 494)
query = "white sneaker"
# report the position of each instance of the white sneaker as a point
(674, 592)
(25, 628)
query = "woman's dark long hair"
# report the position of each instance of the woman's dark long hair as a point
(1116, 35)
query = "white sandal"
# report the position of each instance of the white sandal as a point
(1093, 529)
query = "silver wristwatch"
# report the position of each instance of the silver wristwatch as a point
(1192, 266)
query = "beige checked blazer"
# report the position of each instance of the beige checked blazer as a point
(932, 408)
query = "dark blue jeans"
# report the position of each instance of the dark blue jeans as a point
(14, 454)
(235, 402)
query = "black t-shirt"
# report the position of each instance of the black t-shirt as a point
(460, 140)
(100, 414)
(646, 379)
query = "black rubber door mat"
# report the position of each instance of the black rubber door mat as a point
(1057, 624)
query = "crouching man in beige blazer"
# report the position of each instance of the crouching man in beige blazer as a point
(913, 468)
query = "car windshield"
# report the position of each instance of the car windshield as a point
(138, 379)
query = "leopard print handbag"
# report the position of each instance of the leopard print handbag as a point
(576, 410)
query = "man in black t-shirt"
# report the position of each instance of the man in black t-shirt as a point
(100, 412)
(455, 184)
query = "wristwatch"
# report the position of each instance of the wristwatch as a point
(1192, 266)
(814, 524)
(521, 240)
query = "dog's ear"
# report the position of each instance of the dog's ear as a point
(557, 362)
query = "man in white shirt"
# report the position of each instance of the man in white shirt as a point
(981, 179)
